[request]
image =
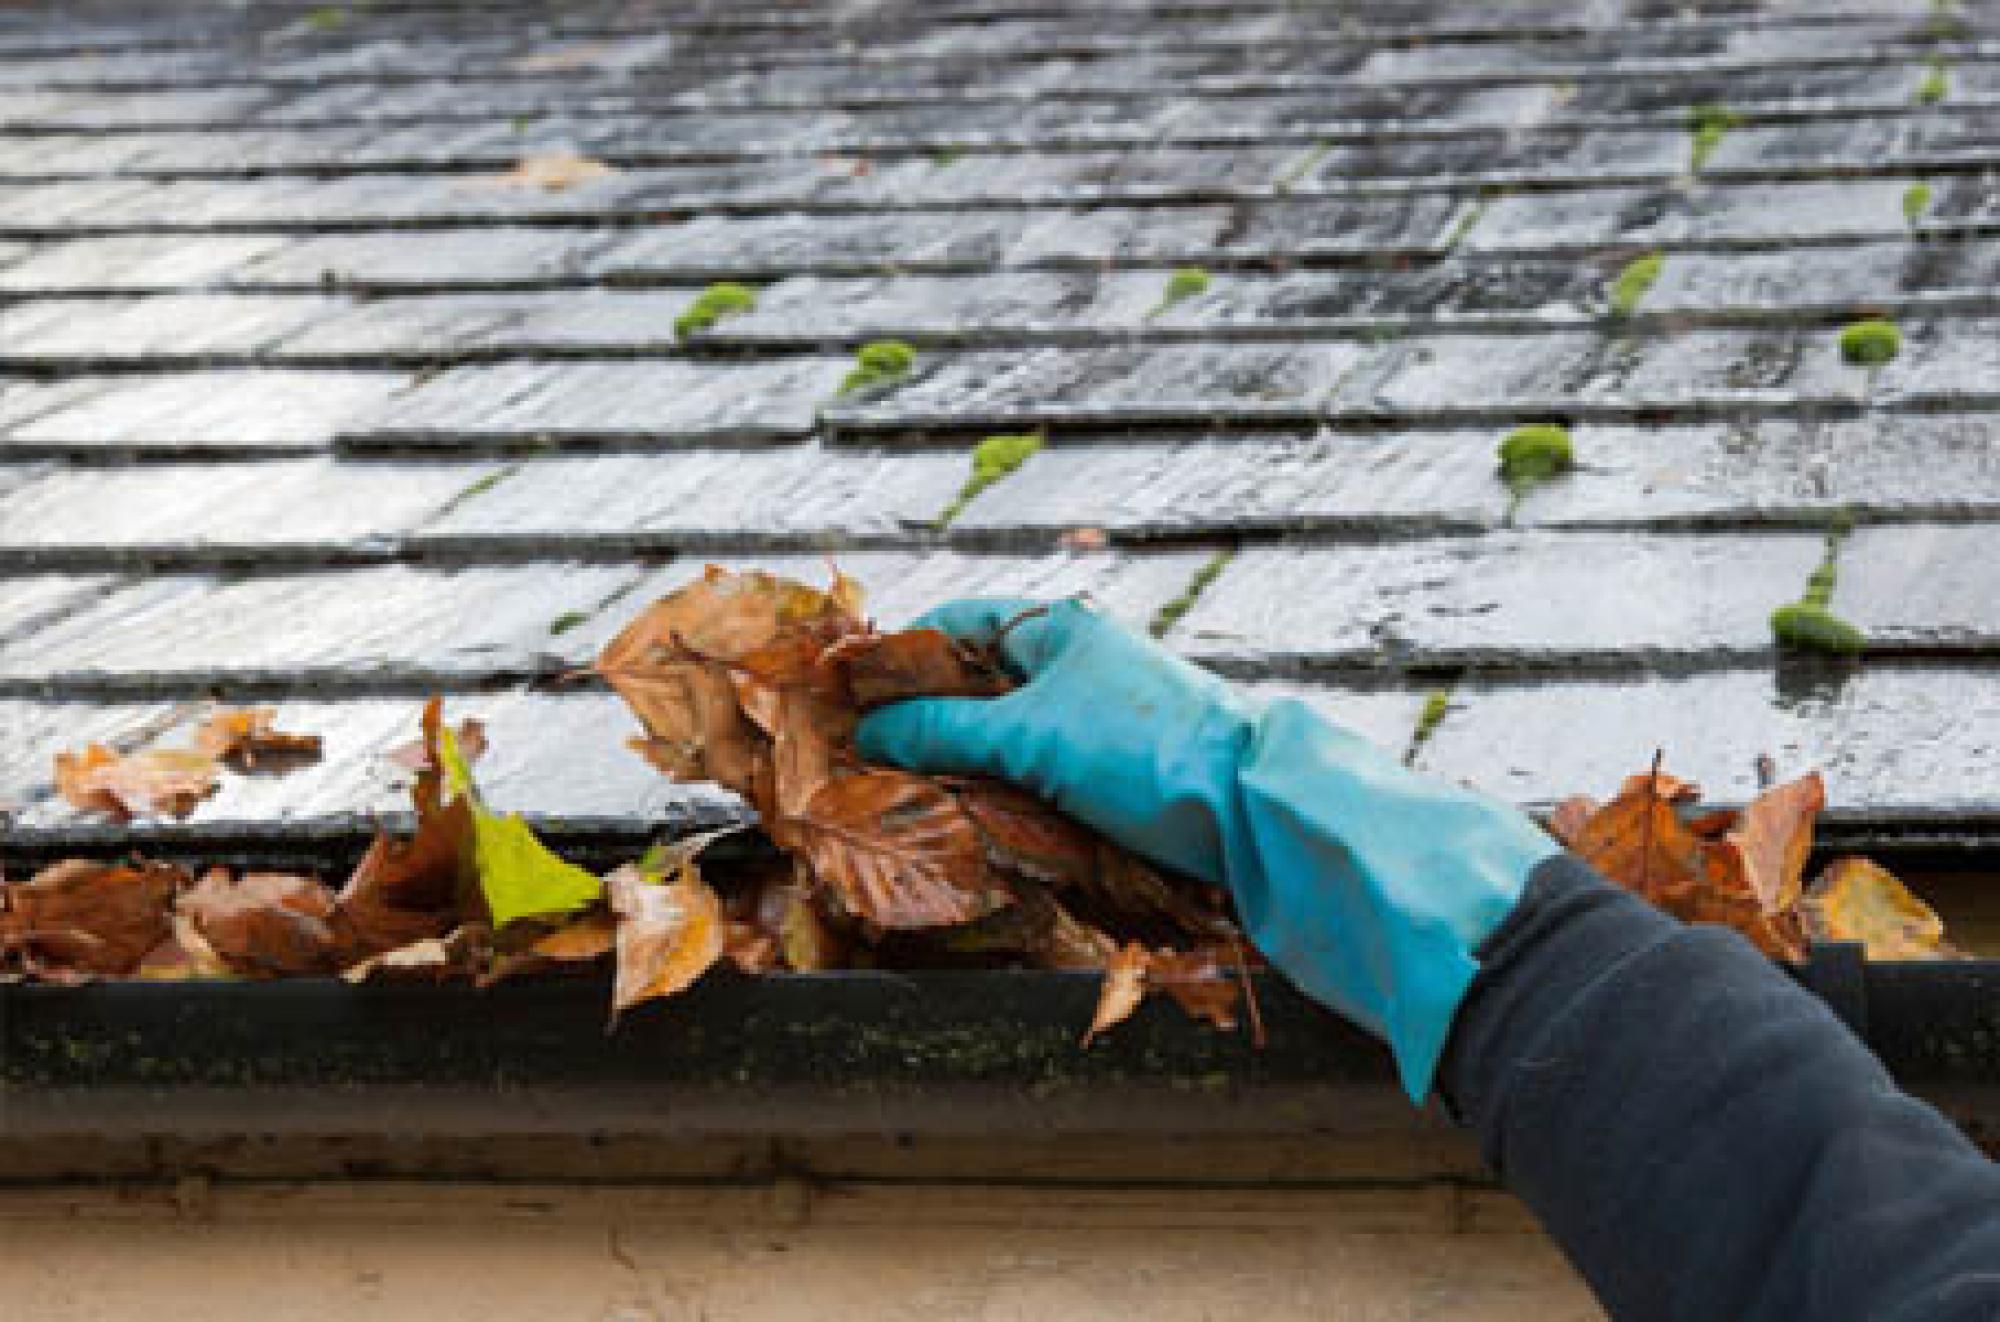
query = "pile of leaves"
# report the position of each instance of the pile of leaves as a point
(1745, 868)
(747, 680)
(757, 683)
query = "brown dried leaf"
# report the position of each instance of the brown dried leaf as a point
(669, 933)
(552, 172)
(563, 59)
(1855, 899)
(185, 956)
(405, 891)
(79, 918)
(897, 850)
(917, 663)
(676, 666)
(1738, 871)
(1199, 982)
(245, 739)
(1124, 987)
(1567, 820)
(269, 924)
(157, 782)
(1773, 837)
(461, 953)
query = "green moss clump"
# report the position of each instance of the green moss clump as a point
(1707, 124)
(1805, 627)
(1167, 616)
(1185, 283)
(878, 363)
(327, 18)
(1870, 343)
(715, 303)
(1634, 282)
(1936, 84)
(1916, 201)
(1535, 453)
(992, 460)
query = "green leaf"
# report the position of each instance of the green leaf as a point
(518, 874)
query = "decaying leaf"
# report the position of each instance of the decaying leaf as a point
(552, 172)
(166, 782)
(245, 740)
(185, 956)
(917, 663)
(898, 850)
(1740, 870)
(460, 953)
(406, 891)
(269, 924)
(1854, 899)
(563, 59)
(79, 919)
(1124, 987)
(670, 931)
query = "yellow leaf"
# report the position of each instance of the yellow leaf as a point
(519, 875)
(1859, 900)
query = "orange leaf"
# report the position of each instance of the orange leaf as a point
(552, 172)
(669, 933)
(245, 739)
(1855, 899)
(1124, 987)
(161, 781)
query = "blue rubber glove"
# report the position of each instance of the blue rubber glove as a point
(1367, 884)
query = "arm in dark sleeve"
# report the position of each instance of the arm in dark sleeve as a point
(1703, 1138)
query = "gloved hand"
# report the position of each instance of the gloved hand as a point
(1367, 884)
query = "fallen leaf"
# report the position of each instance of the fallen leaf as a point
(1739, 870)
(166, 782)
(406, 891)
(552, 172)
(917, 663)
(269, 924)
(898, 850)
(416, 755)
(1567, 820)
(563, 59)
(185, 956)
(460, 953)
(1124, 987)
(519, 876)
(669, 932)
(1854, 899)
(79, 918)
(1198, 982)
(592, 936)
(246, 740)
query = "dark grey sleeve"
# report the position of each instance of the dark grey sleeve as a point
(1702, 1137)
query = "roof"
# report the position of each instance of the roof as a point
(299, 402)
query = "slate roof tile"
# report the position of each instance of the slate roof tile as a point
(297, 402)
